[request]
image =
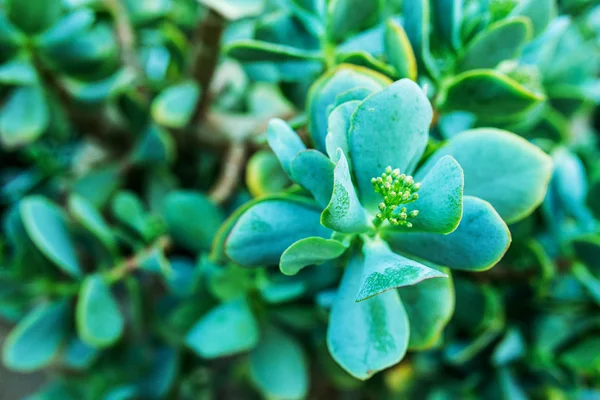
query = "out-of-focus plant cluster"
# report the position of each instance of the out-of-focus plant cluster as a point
(292, 199)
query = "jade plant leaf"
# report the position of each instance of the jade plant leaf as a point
(265, 175)
(369, 336)
(314, 171)
(229, 328)
(98, 318)
(399, 52)
(500, 41)
(192, 219)
(255, 50)
(285, 143)
(491, 95)
(338, 127)
(90, 218)
(324, 91)
(429, 306)
(278, 366)
(349, 16)
(389, 128)
(269, 227)
(540, 12)
(344, 213)
(477, 244)
(37, 340)
(175, 105)
(417, 24)
(450, 25)
(500, 167)
(385, 270)
(34, 16)
(46, 226)
(24, 116)
(310, 251)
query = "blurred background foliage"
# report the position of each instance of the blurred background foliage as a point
(130, 130)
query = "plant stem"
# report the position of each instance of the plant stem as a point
(230, 174)
(129, 265)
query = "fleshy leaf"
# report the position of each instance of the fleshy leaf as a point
(367, 337)
(87, 215)
(310, 251)
(265, 175)
(46, 226)
(345, 17)
(175, 105)
(417, 24)
(314, 171)
(192, 219)
(284, 142)
(399, 52)
(257, 50)
(37, 339)
(440, 202)
(99, 320)
(338, 128)
(24, 116)
(265, 230)
(325, 90)
(278, 366)
(500, 41)
(491, 95)
(500, 167)
(228, 329)
(385, 270)
(429, 306)
(450, 25)
(344, 213)
(389, 128)
(540, 12)
(477, 244)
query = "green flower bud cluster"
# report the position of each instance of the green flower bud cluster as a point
(396, 189)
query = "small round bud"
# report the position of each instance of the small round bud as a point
(417, 186)
(409, 225)
(379, 180)
(381, 206)
(379, 215)
(388, 170)
(373, 180)
(409, 180)
(413, 213)
(393, 194)
(415, 196)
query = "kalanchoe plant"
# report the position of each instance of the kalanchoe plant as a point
(371, 193)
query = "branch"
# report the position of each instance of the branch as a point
(230, 174)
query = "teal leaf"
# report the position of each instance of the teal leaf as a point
(417, 24)
(228, 329)
(344, 213)
(175, 105)
(192, 219)
(587, 250)
(338, 128)
(90, 218)
(500, 41)
(385, 270)
(278, 366)
(491, 95)
(256, 50)
(314, 171)
(128, 209)
(268, 228)
(501, 168)
(450, 25)
(366, 337)
(37, 339)
(440, 202)
(265, 175)
(34, 16)
(162, 375)
(357, 93)
(98, 318)
(365, 59)
(236, 9)
(46, 226)
(429, 306)
(345, 17)
(156, 146)
(285, 143)
(477, 244)
(323, 93)
(540, 12)
(310, 251)
(78, 355)
(399, 52)
(389, 128)
(69, 26)
(18, 72)
(511, 348)
(584, 356)
(24, 116)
